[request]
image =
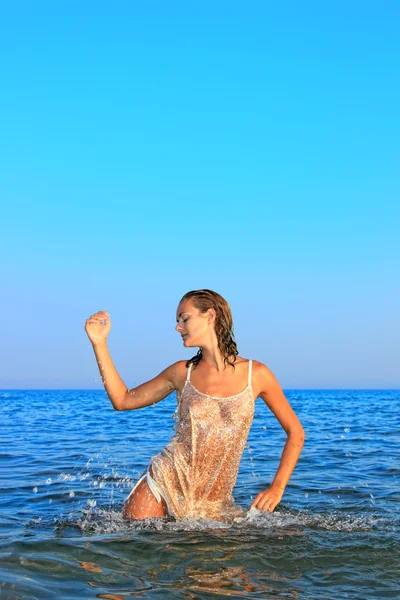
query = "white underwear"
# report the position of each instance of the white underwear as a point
(155, 489)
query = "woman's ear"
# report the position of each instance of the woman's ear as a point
(211, 314)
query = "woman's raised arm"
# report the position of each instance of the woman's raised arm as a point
(97, 328)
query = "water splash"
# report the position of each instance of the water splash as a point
(100, 521)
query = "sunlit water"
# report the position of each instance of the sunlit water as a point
(69, 461)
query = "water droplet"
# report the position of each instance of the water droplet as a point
(48, 481)
(71, 494)
(35, 490)
(92, 503)
(347, 429)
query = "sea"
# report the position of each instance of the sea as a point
(68, 462)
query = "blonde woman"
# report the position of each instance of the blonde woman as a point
(194, 475)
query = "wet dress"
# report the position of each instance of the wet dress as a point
(197, 471)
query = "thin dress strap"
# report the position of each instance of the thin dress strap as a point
(188, 372)
(250, 369)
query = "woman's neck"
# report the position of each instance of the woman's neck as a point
(214, 357)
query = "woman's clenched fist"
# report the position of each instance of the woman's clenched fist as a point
(98, 327)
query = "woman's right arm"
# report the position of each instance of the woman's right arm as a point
(97, 328)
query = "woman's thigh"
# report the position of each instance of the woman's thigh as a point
(142, 504)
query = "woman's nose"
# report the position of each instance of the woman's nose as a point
(178, 327)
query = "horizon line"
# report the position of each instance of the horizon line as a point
(291, 389)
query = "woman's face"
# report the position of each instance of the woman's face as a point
(193, 326)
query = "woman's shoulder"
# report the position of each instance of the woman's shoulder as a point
(259, 368)
(177, 372)
(256, 364)
(179, 365)
(263, 377)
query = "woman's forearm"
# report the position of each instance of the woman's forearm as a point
(115, 387)
(290, 456)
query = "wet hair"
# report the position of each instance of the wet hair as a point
(203, 300)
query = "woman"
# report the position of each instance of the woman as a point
(196, 472)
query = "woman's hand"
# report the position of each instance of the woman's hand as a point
(268, 499)
(98, 327)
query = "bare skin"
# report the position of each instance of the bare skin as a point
(142, 504)
(211, 377)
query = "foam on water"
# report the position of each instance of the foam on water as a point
(101, 521)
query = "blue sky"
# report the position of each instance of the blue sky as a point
(150, 148)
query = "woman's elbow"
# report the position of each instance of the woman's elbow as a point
(129, 401)
(301, 436)
(297, 434)
(119, 404)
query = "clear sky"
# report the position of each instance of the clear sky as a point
(150, 148)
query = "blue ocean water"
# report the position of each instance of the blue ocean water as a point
(69, 460)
